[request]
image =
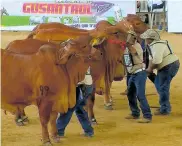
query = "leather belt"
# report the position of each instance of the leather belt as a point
(139, 70)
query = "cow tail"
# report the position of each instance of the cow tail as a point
(35, 28)
(8, 46)
(5, 112)
(30, 36)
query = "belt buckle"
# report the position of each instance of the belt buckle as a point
(139, 70)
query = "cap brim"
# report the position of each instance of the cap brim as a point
(144, 36)
(132, 32)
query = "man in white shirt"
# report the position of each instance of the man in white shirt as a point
(167, 65)
(133, 58)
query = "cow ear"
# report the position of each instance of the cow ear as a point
(72, 42)
(62, 56)
(45, 49)
(65, 51)
(114, 22)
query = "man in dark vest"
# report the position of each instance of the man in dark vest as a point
(133, 58)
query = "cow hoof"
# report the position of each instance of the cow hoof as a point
(93, 121)
(108, 106)
(25, 119)
(19, 122)
(47, 144)
(111, 101)
(56, 139)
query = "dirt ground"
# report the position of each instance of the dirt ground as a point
(113, 129)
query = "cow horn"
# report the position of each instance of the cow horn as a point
(72, 41)
(97, 41)
(114, 22)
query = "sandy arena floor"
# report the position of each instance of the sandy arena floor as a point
(113, 128)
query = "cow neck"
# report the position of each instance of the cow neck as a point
(98, 67)
(76, 68)
(111, 62)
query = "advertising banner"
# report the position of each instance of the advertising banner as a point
(26, 14)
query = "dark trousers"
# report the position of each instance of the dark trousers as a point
(136, 90)
(151, 76)
(162, 83)
(81, 114)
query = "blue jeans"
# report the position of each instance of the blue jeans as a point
(162, 83)
(88, 91)
(136, 90)
(81, 114)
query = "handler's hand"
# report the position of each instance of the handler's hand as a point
(149, 71)
(131, 49)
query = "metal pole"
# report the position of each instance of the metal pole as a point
(164, 25)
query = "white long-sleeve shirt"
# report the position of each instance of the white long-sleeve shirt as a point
(88, 78)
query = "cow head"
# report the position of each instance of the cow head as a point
(99, 32)
(86, 48)
(79, 47)
(121, 29)
(138, 25)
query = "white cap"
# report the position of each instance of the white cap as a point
(150, 34)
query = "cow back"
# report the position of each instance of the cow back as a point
(27, 46)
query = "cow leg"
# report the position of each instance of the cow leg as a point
(110, 97)
(18, 119)
(45, 108)
(90, 106)
(54, 131)
(24, 117)
(108, 104)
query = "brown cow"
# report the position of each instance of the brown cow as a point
(112, 47)
(107, 68)
(59, 35)
(130, 23)
(103, 80)
(27, 46)
(54, 25)
(138, 25)
(40, 79)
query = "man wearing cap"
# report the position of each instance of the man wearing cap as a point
(133, 58)
(167, 65)
(152, 75)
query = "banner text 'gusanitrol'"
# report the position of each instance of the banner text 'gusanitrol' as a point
(48, 8)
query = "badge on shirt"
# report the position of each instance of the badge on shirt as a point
(127, 59)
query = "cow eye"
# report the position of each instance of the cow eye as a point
(116, 33)
(84, 46)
